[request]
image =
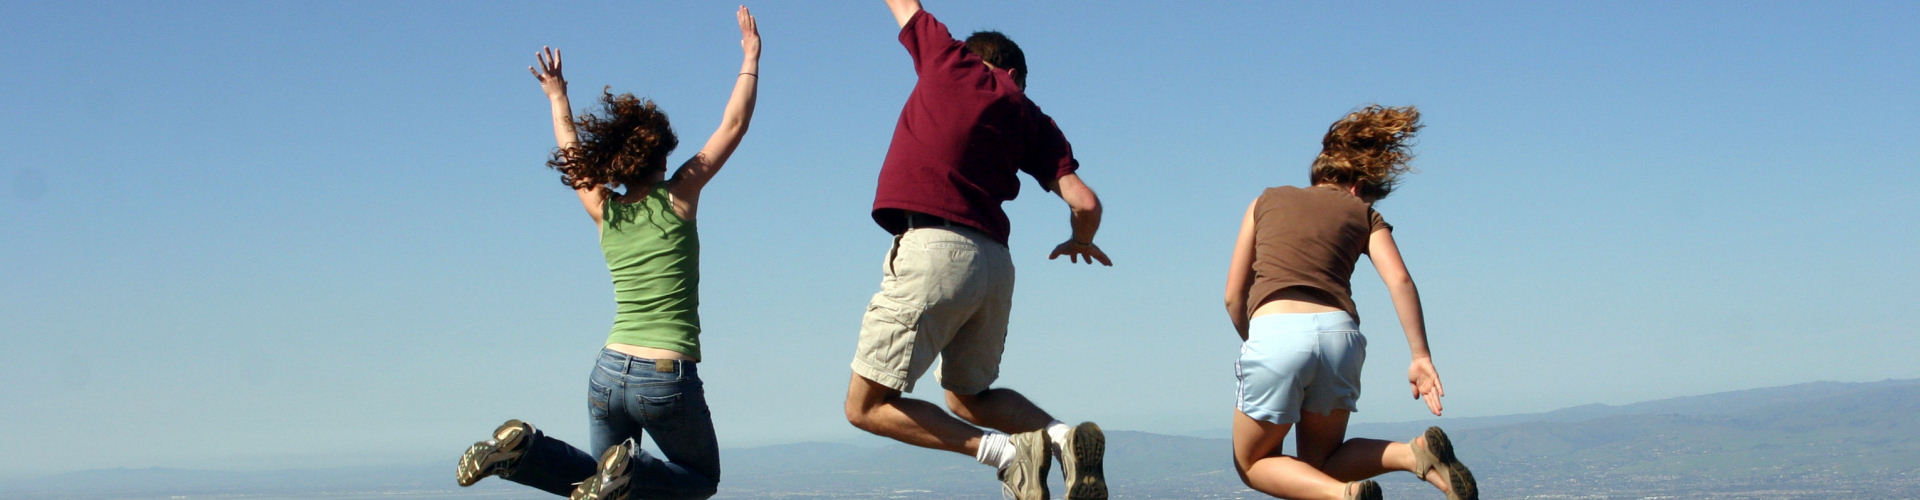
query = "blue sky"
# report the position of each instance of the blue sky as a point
(283, 234)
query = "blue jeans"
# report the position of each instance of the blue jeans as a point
(627, 397)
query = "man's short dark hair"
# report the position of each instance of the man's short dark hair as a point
(998, 50)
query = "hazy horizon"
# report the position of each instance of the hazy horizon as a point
(866, 441)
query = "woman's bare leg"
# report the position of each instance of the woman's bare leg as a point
(1322, 443)
(1256, 456)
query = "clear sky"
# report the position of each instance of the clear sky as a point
(285, 234)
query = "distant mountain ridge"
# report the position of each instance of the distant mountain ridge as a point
(1821, 440)
(1816, 440)
(1708, 404)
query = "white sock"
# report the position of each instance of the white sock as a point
(1057, 432)
(996, 449)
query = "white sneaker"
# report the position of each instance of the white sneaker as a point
(1026, 477)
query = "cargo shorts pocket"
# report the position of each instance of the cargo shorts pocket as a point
(888, 334)
(888, 330)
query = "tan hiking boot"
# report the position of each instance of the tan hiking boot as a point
(1080, 461)
(1364, 490)
(1436, 453)
(610, 481)
(494, 456)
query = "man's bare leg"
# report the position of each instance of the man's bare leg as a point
(881, 410)
(1000, 409)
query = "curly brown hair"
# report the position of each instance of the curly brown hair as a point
(626, 146)
(1367, 149)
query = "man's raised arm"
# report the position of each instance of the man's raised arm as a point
(903, 10)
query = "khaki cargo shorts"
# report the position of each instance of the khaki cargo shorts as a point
(946, 293)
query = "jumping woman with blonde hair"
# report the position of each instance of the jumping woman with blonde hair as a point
(646, 378)
(1289, 296)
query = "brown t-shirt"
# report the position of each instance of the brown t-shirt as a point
(1310, 238)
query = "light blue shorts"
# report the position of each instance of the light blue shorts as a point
(1292, 362)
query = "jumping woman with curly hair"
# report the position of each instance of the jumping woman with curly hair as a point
(646, 378)
(1288, 294)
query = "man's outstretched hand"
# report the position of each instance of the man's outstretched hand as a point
(1076, 251)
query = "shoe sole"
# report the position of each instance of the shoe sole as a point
(472, 466)
(469, 470)
(612, 471)
(1368, 490)
(1086, 446)
(1459, 479)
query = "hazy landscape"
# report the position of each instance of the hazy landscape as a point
(1817, 440)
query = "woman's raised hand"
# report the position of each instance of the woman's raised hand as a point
(548, 72)
(749, 34)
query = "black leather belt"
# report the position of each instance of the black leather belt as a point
(917, 219)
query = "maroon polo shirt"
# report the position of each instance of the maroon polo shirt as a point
(965, 131)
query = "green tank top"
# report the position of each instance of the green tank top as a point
(654, 256)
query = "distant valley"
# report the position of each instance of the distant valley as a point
(1817, 440)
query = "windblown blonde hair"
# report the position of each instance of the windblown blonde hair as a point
(1367, 149)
